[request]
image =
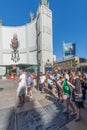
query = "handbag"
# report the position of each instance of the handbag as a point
(78, 97)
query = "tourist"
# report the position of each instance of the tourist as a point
(66, 75)
(29, 83)
(56, 78)
(72, 81)
(67, 94)
(41, 82)
(21, 91)
(83, 89)
(50, 82)
(78, 97)
(46, 80)
(34, 79)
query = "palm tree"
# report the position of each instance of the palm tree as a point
(68, 64)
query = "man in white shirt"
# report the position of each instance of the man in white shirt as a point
(21, 91)
(66, 75)
(42, 82)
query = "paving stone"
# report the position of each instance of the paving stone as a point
(49, 117)
(34, 119)
(42, 113)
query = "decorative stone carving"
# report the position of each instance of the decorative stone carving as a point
(14, 45)
(44, 2)
(31, 16)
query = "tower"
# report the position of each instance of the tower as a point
(44, 35)
(1, 41)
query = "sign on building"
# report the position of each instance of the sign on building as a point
(69, 50)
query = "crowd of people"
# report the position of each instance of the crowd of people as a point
(70, 87)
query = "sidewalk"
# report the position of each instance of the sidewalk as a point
(53, 114)
(42, 112)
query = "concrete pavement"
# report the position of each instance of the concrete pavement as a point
(42, 112)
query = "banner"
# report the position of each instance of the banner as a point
(69, 50)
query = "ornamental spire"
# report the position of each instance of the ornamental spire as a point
(0, 21)
(44, 2)
(31, 16)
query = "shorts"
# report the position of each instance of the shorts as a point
(51, 83)
(67, 96)
(50, 86)
(30, 86)
(21, 90)
(41, 85)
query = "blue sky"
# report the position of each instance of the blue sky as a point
(69, 21)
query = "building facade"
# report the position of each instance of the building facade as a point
(70, 64)
(28, 44)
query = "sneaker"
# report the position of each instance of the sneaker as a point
(77, 119)
(19, 105)
(65, 111)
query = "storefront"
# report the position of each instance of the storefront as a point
(82, 67)
(12, 71)
(69, 64)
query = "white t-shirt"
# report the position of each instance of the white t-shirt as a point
(67, 76)
(42, 79)
(50, 80)
(23, 79)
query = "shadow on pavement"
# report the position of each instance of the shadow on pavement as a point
(48, 117)
(7, 119)
(33, 116)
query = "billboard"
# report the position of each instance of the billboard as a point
(2, 71)
(69, 50)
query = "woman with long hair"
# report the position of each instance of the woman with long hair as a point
(65, 86)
